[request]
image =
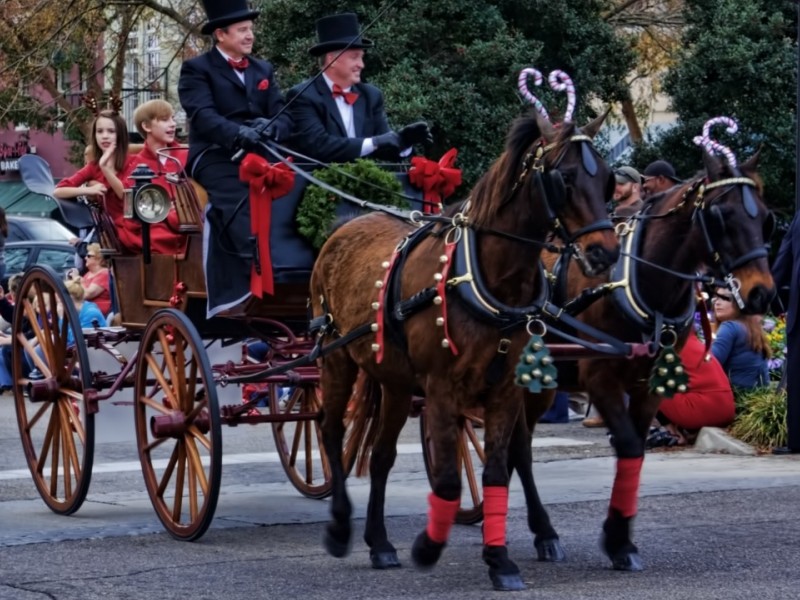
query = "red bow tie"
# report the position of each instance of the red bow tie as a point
(239, 65)
(349, 97)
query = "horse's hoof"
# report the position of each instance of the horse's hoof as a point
(550, 550)
(503, 572)
(506, 582)
(334, 545)
(425, 552)
(627, 561)
(385, 560)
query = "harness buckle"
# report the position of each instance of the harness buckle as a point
(503, 346)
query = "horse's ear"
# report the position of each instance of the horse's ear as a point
(545, 127)
(713, 166)
(751, 164)
(592, 127)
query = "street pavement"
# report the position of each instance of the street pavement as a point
(710, 526)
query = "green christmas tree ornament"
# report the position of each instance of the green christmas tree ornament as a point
(535, 369)
(668, 376)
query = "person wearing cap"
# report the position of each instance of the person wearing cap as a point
(233, 102)
(337, 117)
(658, 177)
(627, 192)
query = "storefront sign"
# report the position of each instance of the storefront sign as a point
(10, 153)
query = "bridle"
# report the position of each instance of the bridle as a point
(550, 185)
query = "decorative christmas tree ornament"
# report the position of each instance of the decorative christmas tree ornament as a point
(535, 369)
(668, 375)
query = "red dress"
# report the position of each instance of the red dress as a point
(129, 231)
(164, 236)
(709, 401)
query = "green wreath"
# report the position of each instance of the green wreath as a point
(317, 211)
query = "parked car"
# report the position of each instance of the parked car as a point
(36, 228)
(22, 255)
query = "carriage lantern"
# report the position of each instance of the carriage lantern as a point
(150, 201)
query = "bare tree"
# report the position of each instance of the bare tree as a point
(52, 51)
(654, 28)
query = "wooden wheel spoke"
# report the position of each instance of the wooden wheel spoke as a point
(326, 465)
(177, 505)
(169, 360)
(181, 364)
(475, 441)
(30, 350)
(75, 422)
(191, 390)
(198, 435)
(196, 464)
(50, 438)
(198, 408)
(155, 405)
(167, 475)
(159, 375)
(32, 422)
(147, 449)
(309, 458)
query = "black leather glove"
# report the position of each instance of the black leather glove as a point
(266, 128)
(416, 133)
(389, 140)
(247, 138)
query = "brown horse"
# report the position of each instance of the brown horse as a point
(448, 305)
(715, 223)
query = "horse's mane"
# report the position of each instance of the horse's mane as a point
(492, 189)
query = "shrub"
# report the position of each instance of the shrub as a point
(362, 178)
(761, 417)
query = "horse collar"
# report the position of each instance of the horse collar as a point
(467, 282)
(625, 291)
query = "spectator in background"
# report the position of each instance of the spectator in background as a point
(627, 193)
(708, 402)
(7, 312)
(89, 314)
(658, 177)
(740, 345)
(96, 282)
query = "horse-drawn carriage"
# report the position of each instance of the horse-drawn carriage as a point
(397, 306)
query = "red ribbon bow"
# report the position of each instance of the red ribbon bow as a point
(267, 182)
(349, 97)
(437, 180)
(239, 65)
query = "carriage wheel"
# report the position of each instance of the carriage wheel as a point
(470, 448)
(55, 423)
(299, 442)
(178, 431)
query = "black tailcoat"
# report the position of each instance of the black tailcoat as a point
(216, 104)
(318, 128)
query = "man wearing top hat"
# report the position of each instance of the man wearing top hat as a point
(232, 101)
(338, 118)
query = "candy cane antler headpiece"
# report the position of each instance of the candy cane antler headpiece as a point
(558, 80)
(713, 146)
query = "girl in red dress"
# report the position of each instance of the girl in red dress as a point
(103, 180)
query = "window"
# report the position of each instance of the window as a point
(16, 259)
(60, 260)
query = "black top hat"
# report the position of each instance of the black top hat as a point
(337, 32)
(222, 13)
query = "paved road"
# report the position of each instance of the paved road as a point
(709, 527)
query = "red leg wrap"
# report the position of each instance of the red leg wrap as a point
(625, 495)
(495, 513)
(441, 516)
